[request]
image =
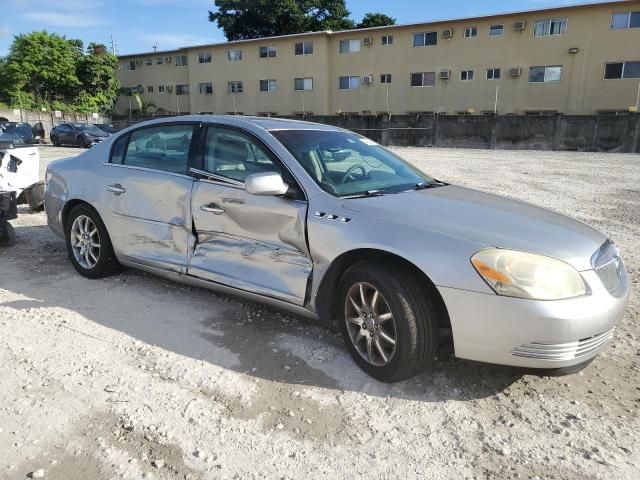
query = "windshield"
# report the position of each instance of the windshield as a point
(84, 127)
(346, 164)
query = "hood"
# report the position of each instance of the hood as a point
(488, 219)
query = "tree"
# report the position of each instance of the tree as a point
(42, 65)
(99, 80)
(51, 71)
(243, 19)
(376, 20)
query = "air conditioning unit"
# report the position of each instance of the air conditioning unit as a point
(515, 72)
(520, 25)
(445, 74)
(447, 33)
(169, 88)
(368, 41)
(367, 79)
(167, 59)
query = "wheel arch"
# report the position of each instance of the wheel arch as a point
(69, 206)
(328, 287)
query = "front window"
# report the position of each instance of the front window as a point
(204, 57)
(617, 70)
(234, 87)
(268, 52)
(350, 46)
(130, 65)
(345, 164)
(303, 84)
(304, 48)
(205, 88)
(493, 73)
(624, 20)
(554, 26)
(423, 79)
(470, 32)
(545, 74)
(387, 40)
(268, 85)
(466, 75)
(425, 39)
(349, 83)
(182, 89)
(385, 78)
(234, 55)
(496, 30)
(182, 61)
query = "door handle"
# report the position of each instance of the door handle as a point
(212, 208)
(116, 189)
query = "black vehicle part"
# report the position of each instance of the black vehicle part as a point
(34, 196)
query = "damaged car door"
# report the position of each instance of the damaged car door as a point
(251, 242)
(146, 189)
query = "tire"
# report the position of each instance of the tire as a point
(7, 234)
(34, 196)
(413, 324)
(98, 262)
(80, 143)
(55, 141)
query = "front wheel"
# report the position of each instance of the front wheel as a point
(387, 322)
(88, 243)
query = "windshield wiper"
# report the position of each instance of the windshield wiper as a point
(368, 193)
(423, 185)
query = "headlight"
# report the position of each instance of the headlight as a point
(527, 275)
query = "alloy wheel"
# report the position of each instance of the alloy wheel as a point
(85, 241)
(370, 324)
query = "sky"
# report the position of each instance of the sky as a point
(138, 25)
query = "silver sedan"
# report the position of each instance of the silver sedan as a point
(326, 223)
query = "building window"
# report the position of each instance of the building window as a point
(470, 32)
(268, 85)
(425, 39)
(234, 87)
(205, 88)
(130, 65)
(385, 78)
(493, 73)
(423, 79)
(617, 70)
(158, 60)
(160, 88)
(387, 40)
(349, 83)
(554, 26)
(545, 74)
(350, 46)
(234, 55)
(304, 48)
(204, 57)
(149, 61)
(268, 52)
(623, 20)
(182, 89)
(149, 88)
(496, 30)
(303, 84)
(182, 60)
(466, 75)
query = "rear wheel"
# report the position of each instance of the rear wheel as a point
(7, 234)
(80, 143)
(387, 322)
(55, 141)
(88, 243)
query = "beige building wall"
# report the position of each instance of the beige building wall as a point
(582, 88)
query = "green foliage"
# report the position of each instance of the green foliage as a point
(376, 20)
(48, 70)
(142, 106)
(242, 19)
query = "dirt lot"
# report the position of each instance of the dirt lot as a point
(135, 377)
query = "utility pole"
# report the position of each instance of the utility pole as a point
(638, 98)
(113, 46)
(495, 103)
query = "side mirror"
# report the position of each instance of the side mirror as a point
(267, 183)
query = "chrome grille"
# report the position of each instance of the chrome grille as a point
(563, 351)
(608, 266)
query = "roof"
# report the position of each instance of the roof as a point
(265, 123)
(386, 27)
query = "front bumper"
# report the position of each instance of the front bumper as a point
(535, 334)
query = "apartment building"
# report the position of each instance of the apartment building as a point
(574, 60)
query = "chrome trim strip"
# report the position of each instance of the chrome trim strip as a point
(564, 351)
(144, 169)
(146, 220)
(217, 178)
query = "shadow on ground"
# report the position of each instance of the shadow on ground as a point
(241, 336)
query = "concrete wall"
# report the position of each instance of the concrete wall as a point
(49, 120)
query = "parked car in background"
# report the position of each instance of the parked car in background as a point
(329, 224)
(82, 135)
(106, 127)
(19, 129)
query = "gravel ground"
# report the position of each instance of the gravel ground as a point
(135, 377)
